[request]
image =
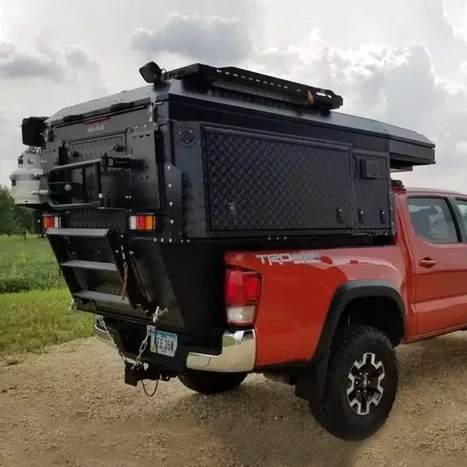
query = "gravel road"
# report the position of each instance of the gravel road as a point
(70, 407)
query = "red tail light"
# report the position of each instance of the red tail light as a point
(51, 222)
(142, 222)
(242, 287)
(242, 292)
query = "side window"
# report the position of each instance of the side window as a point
(462, 205)
(432, 220)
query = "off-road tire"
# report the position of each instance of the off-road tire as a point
(335, 413)
(209, 383)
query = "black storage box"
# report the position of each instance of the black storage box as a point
(239, 182)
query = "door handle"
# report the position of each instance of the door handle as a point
(427, 263)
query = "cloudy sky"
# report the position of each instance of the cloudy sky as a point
(401, 61)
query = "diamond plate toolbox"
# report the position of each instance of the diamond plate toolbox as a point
(259, 181)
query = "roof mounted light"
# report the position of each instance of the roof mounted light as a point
(151, 72)
(33, 131)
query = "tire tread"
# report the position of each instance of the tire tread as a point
(327, 413)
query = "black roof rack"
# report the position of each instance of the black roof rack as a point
(238, 79)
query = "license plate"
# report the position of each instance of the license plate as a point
(163, 343)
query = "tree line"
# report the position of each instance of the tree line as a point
(15, 220)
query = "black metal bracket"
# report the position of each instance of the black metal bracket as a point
(133, 375)
(98, 166)
(124, 163)
(52, 155)
(173, 189)
(140, 373)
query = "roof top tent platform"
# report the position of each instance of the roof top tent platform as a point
(229, 153)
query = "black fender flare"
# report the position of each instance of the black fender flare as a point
(311, 385)
(343, 296)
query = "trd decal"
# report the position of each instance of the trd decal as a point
(287, 258)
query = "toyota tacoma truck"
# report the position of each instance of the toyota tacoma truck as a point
(220, 222)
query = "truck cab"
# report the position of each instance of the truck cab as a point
(433, 235)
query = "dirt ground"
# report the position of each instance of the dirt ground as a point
(70, 408)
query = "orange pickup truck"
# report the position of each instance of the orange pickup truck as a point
(341, 312)
(220, 221)
(328, 320)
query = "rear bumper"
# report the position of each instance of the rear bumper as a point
(238, 352)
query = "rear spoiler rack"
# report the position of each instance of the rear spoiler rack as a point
(238, 79)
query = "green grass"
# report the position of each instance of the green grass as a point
(32, 321)
(33, 300)
(27, 265)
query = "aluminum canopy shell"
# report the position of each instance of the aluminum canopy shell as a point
(410, 147)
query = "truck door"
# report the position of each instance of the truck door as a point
(440, 263)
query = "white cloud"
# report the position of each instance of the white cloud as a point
(36, 82)
(209, 39)
(404, 62)
(47, 62)
(396, 85)
(461, 148)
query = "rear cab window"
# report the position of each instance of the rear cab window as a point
(461, 205)
(433, 219)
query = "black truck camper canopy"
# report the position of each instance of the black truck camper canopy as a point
(224, 153)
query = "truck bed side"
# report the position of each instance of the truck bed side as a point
(298, 289)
